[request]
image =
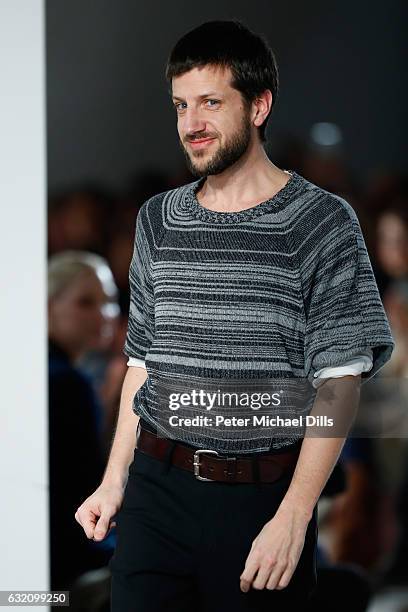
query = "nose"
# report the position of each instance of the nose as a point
(193, 122)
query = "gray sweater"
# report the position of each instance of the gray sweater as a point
(270, 294)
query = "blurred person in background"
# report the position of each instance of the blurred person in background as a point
(105, 362)
(78, 219)
(368, 521)
(392, 239)
(77, 298)
(397, 571)
(382, 187)
(329, 170)
(395, 449)
(396, 304)
(119, 254)
(358, 517)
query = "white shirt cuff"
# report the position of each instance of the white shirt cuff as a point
(138, 363)
(361, 362)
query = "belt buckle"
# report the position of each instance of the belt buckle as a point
(196, 462)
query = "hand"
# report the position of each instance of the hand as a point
(275, 552)
(96, 511)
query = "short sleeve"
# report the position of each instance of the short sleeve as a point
(361, 362)
(140, 329)
(344, 311)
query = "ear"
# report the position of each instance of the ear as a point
(262, 106)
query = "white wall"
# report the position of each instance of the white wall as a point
(23, 414)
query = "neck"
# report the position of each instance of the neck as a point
(73, 353)
(252, 179)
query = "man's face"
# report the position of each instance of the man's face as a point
(213, 121)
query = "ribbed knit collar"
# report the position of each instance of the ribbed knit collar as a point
(192, 204)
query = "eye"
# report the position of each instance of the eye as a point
(177, 106)
(214, 101)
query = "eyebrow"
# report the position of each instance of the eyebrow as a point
(201, 97)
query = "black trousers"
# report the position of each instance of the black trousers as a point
(182, 543)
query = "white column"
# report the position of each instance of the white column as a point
(24, 562)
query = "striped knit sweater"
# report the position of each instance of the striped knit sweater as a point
(276, 291)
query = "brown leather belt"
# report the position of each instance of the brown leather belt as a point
(207, 465)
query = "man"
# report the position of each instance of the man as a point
(249, 274)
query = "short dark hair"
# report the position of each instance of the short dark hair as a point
(229, 44)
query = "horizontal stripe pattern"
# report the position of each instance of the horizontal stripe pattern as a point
(276, 291)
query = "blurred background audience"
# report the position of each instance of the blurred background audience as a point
(82, 313)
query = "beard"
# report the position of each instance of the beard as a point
(228, 154)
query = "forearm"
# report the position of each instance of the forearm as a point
(121, 453)
(338, 399)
